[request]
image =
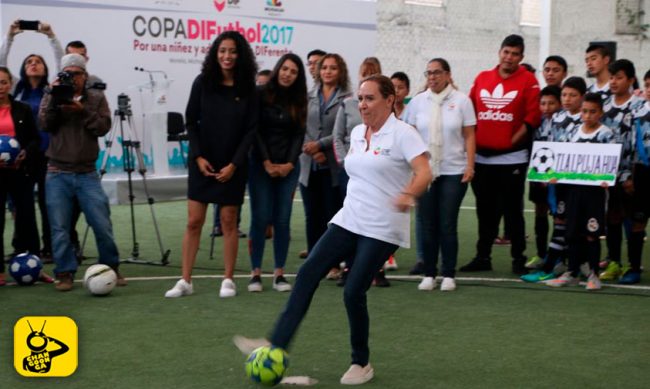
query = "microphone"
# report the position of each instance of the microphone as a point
(140, 69)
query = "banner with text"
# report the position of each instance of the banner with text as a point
(574, 163)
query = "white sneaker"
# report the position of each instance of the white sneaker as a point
(281, 284)
(427, 283)
(448, 284)
(391, 264)
(228, 288)
(566, 279)
(593, 282)
(247, 345)
(357, 375)
(255, 284)
(182, 288)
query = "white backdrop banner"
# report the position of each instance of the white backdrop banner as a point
(170, 38)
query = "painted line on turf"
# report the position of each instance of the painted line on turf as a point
(392, 277)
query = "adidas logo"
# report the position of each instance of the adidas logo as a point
(496, 99)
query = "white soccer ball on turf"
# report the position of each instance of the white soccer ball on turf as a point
(100, 279)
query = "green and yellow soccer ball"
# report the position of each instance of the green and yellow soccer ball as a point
(266, 365)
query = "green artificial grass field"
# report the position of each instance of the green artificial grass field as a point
(492, 332)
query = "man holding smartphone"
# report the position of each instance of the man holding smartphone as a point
(74, 127)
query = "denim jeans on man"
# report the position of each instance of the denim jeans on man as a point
(369, 256)
(61, 189)
(437, 219)
(271, 203)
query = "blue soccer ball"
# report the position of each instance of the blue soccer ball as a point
(25, 268)
(9, 149)
(266, 365)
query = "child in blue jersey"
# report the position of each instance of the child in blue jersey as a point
(618, 117)
(640, 206)
(585, 205)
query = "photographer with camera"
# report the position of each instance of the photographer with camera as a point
(75, 117)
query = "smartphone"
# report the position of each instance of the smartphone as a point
(28, 24)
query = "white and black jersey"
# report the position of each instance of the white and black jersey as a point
(604, 92)
(601, 135)
(563, 126)
(543, 133)
(619, 119)
(641, 117)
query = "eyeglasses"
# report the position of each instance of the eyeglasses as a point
(430, 73)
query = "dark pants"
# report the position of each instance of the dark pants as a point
(500, 187)
(21, 189)
(39, 180)
(369, 256)
(321, 202)
(437, 217)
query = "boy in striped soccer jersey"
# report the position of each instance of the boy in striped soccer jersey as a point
(641, 180)
(618, 117)
(549, 104)
(563, 126)
(597, 59)
(585, 205)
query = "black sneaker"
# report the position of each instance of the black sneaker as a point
(478, 264)
(519, 266)
(417, 269)
(380, 280)
(281, 284)
(255, 284)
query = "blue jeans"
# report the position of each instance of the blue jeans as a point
(271, 203)
(369, 256)
(437, 217)
(61, 190)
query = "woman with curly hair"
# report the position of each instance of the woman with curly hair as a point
(274, 165)
(221, 117)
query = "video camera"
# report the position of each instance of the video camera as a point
(123, 105)
(64, 92)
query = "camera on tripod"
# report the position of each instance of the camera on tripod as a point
(123, 105)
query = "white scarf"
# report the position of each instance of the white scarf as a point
(435, 129)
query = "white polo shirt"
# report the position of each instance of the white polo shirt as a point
(377, 176)
(457, 112)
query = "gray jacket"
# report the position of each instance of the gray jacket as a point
(347, 118)
(319, 128)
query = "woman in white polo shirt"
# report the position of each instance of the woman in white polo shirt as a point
(445, 118)
(388, 168)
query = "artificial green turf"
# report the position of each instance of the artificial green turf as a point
(485, 334)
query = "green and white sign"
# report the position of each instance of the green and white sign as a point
(574, 163)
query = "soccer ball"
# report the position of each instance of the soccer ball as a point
(266, 365)
(100, 279)
(543, 160)
(9, 149)
(25, 268)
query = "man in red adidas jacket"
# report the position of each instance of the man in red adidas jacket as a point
(506, 100)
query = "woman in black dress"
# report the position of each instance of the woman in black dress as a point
(221, 120)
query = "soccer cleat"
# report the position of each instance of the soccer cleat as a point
(427, 283)
(64, 282)
(255, 284)
(448, 284)
(612, 272)
(630, 277)
(593, 282)
(357, 375)
(247, 345)
(538, 276)
(417, 269)
(228, 288)
(281, 284)
(559, 268)
(182, 288)
(380, 280)
(534, 263)
(565, 279)
(391, 264)
(477, 264)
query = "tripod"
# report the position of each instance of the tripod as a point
(129, 147)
